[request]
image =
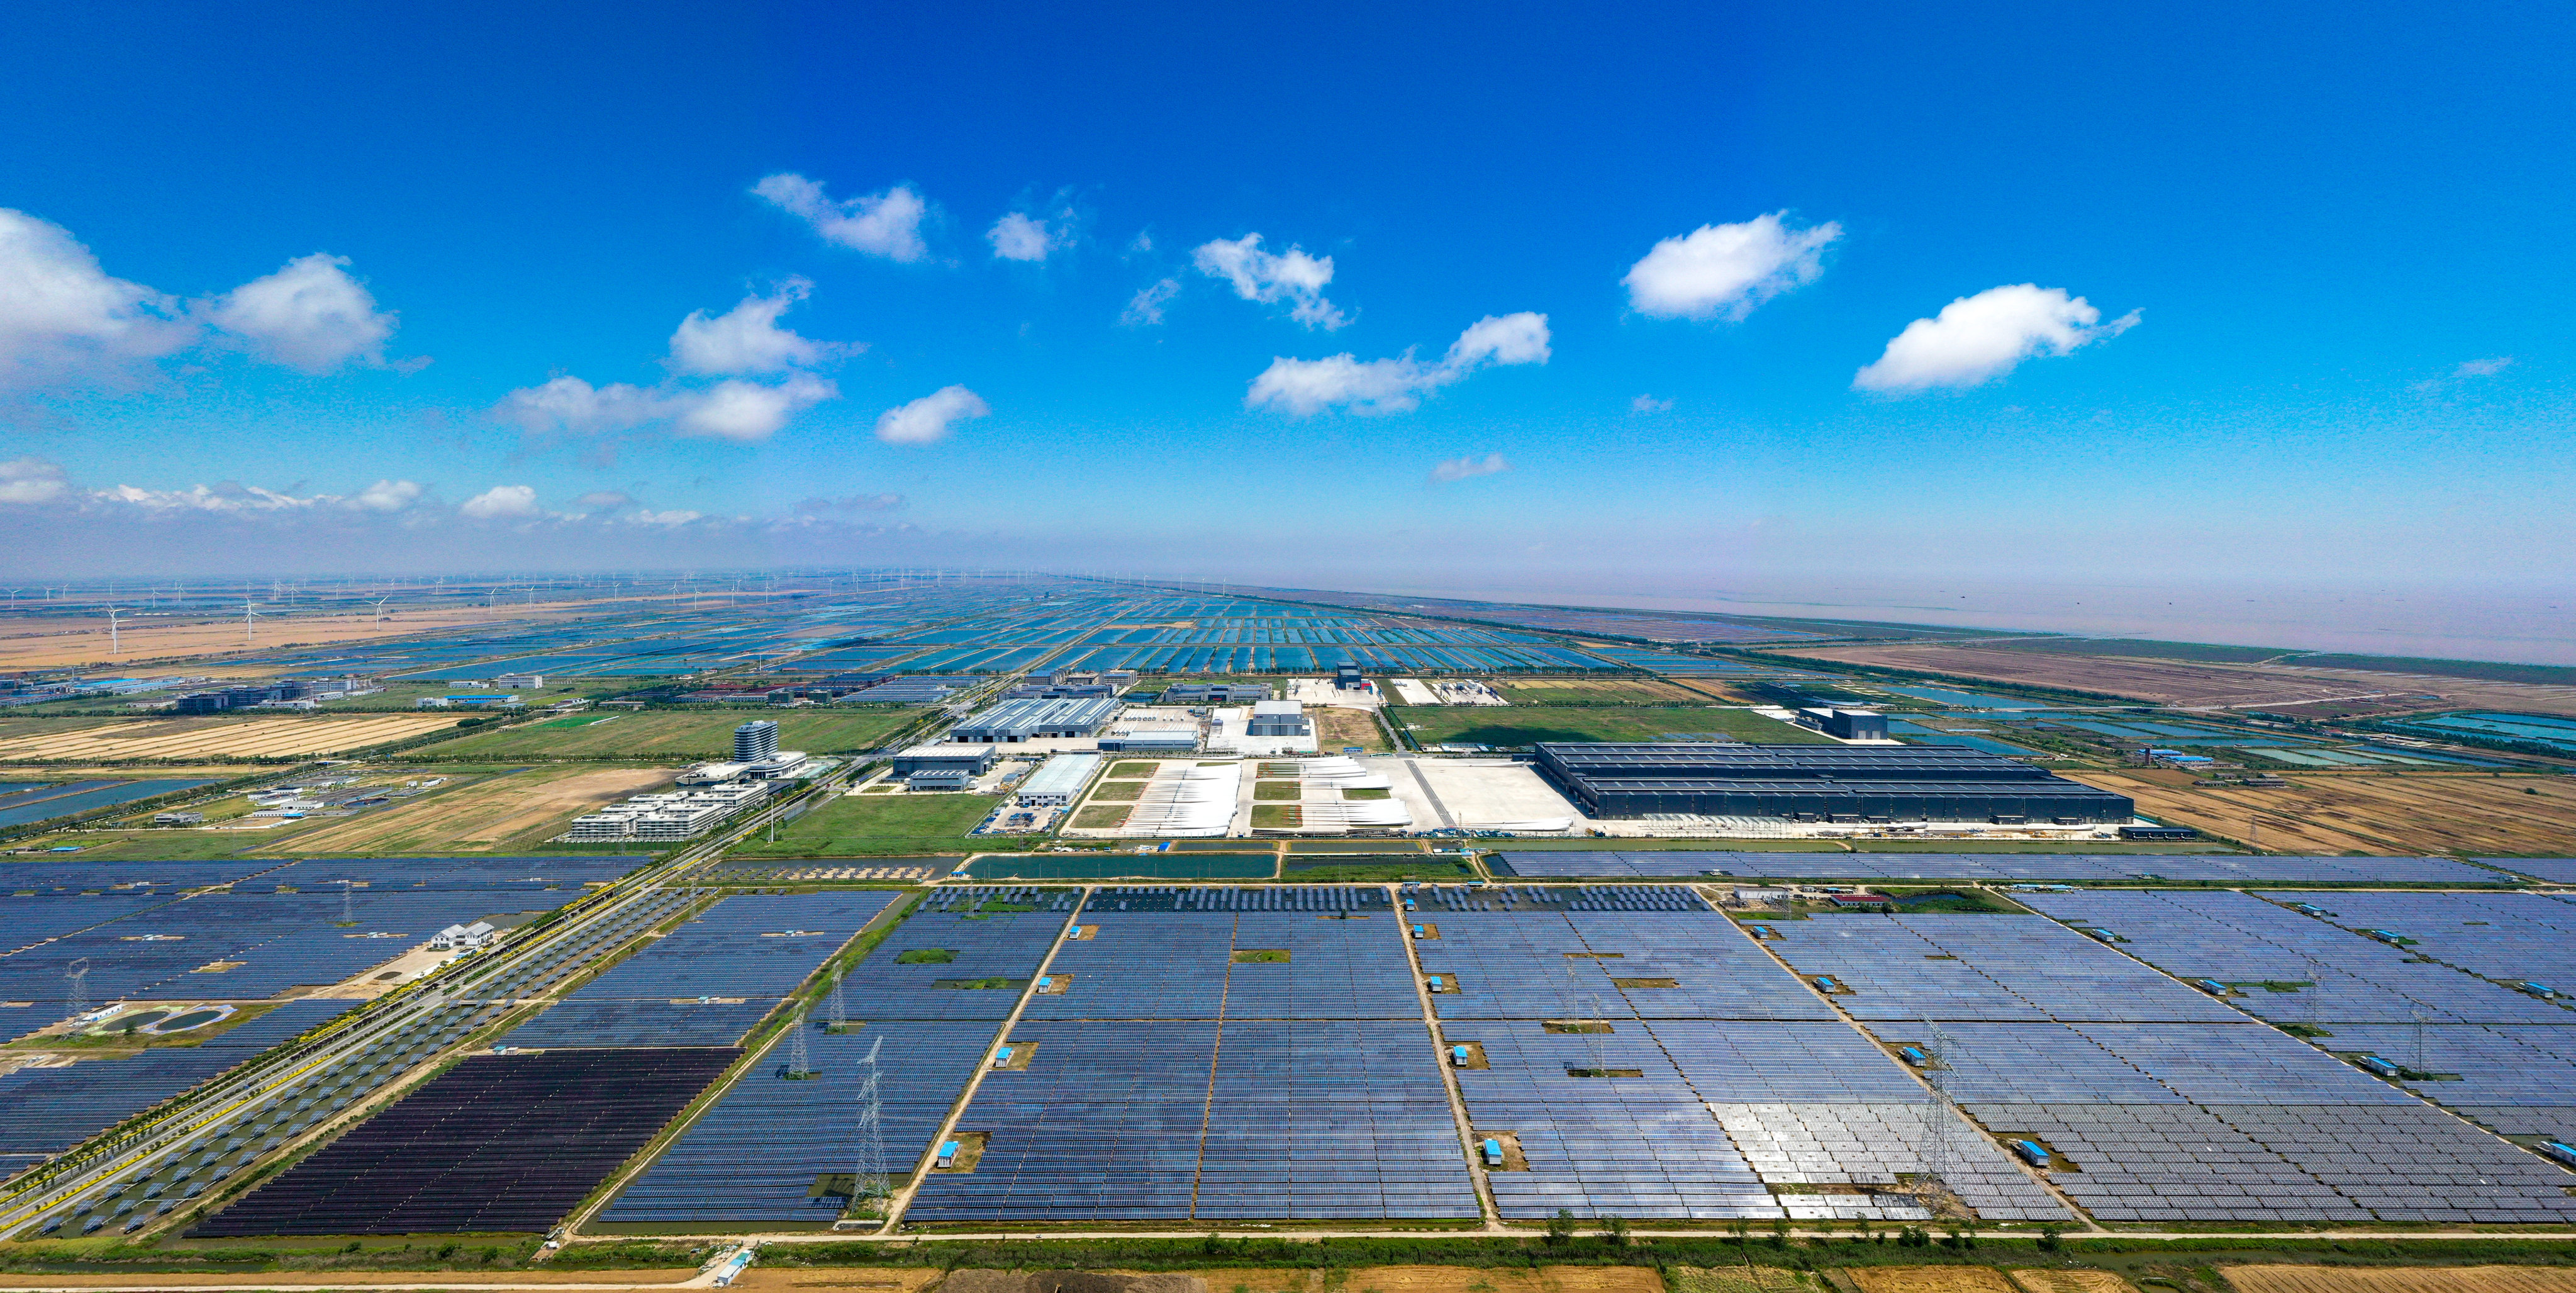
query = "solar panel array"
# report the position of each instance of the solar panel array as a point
(498, 1143)
(1158, 1090)
(1749, 1097)
(711, 978)
(2159, 1113)
(279, 926)
(2553, 870)
(45, 1111)
(269, 1126)
(2291, 968)
(760, 1151)
(1676, 864)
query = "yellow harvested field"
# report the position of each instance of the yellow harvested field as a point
(1741, 1279)
(200, 738)
(30, 643)
(2055, 1279)
(2401, 1279)
(1929, 1279)
(488, 815)
(2409, 813)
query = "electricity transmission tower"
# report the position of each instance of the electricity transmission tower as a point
(798, 1066)
(78, 973)
(874, 1195)
(1940, 1115)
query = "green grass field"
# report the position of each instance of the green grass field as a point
(1530, 724)
(676, 735)
(876, 825)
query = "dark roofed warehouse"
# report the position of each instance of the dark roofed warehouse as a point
(1895, 783)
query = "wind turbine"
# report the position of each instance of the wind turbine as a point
(115, 646)
(249, 635)
(380, 608)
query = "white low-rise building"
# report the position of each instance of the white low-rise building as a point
(454, 938)
(665, 816)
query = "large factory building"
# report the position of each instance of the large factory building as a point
(1821, 783)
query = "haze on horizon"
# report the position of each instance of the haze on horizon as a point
(2203, 324)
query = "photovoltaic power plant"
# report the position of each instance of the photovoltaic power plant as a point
(712, 977)
(498, 1143)
(2035, 867)
(1610, 780)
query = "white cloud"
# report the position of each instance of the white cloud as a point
(1511, 339)
(748, 412)
(1727, 269)
(573, 405)
(605, 500)
(387, 496)
(926, 420)
(2483, 367)
(1976, 339)
(310, 316)
(852, 503)
(671, 518)
(1257, 275)
(884, 224)
(1021, 236)
(747, 338)
(31, 480)
(1450, 469)
(1302, 387)
(63, 321)
(1146, 310)
(1649, 404)
(501, 501)
(230, 496)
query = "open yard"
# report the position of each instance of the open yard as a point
(64, 740)
(875, 825)
(1530, 724)
(1336, 729)
(512, 811)
(2405, 813)
(676, 735)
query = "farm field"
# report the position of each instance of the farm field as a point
(1529, 724)
(2165, 681)
(871, 825)
(677, 735)
(2397, 814)
(2400, 1279)
(1596, 691)
(48, 643)
(109, 740)
(511, 811)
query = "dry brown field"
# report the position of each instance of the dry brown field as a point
(491, 814)
(2166, 681)
(2060, 1279)
(1553, 690)
(1741, 1279)
(1335, 728)
(2313, 692)
(2400, 1279)
(322, 1280)
(1929, 1279)
(2400, 813)
(40, 643)
(201, 738)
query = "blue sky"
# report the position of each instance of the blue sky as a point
(2322, 256)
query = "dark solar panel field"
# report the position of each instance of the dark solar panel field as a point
(2220, 868)
(499, 1143)
(45, 1111)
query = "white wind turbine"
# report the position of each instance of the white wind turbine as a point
(249, 617)
(115, 645)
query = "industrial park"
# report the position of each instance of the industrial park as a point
(861, 648)
(1025, 902)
